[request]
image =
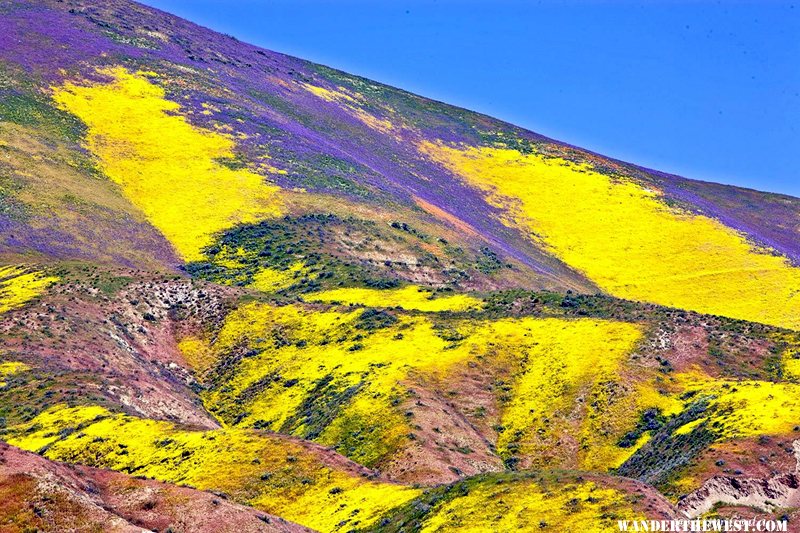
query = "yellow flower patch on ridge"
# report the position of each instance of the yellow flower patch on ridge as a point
(272, 279)
(45, 431)
(197, 353)
(19, 285)
(410, 297)
(164, 165)
(627, 240)
(744, 408)
(273, 474)
(329, 95)
(9, 368)
(525, 506)
(351, 103)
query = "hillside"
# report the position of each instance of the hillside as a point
(233, 276)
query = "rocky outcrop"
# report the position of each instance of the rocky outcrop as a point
(780, 491)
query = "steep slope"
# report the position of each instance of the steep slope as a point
(108, 336)
(255, 113)
(228, 268)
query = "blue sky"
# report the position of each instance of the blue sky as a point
(706, 89)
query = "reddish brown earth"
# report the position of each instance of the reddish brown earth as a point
(735, 480)
(120, 345)
(761, 457)
(446, 445)
(645, 498)
(697, 341)
(688, 347)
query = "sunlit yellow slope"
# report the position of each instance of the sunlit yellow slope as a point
(9, 368)
(553, 363)
(409, 297)
(165, 166)
(267, 472)
(526, 506)
(568, 361)
(743, 408)
(627, 240)
(19, 285)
